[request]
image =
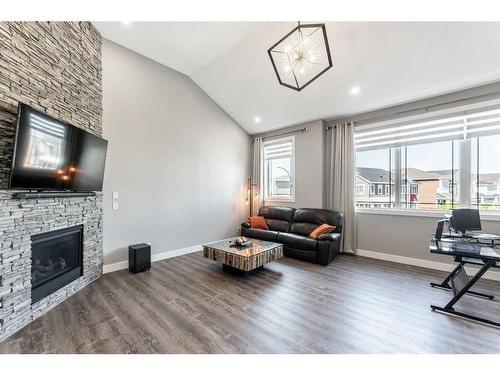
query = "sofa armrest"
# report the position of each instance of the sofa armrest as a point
(245, 225)
(329, 237)
(329, 245)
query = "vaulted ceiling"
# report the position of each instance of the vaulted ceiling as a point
(390, 63)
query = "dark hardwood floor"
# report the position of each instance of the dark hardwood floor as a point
(187, 305)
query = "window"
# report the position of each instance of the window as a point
(485, 171)
(279, 169)
(424, 166)
(373, 170)
(360, 189)
(439, 161)
(428, 175)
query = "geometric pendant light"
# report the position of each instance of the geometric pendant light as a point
(301, 56)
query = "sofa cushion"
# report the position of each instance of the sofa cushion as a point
(305, 220)
(258, 222)
(259, 234)
(322, 229)
(297, 241)
(277, 218)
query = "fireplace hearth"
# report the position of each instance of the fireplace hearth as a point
(56, 260)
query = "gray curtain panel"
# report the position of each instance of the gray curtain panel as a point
(341, 181)
(257, 177)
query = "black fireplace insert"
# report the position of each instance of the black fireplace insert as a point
(56, 260)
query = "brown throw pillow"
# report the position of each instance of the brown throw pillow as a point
(258, 222)
(322, 229)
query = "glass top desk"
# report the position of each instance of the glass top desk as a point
(465, 251)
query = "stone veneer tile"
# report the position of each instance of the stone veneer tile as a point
(56, 68)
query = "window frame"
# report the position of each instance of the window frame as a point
(362, 192)
(271, 198)
(464, 181)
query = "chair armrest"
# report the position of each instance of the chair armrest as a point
(245, 224)
(329, 237)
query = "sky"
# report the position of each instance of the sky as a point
(436, 156)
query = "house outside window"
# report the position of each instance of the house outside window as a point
(443, 161)
(279, 169)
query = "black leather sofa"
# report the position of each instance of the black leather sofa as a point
(291, 227)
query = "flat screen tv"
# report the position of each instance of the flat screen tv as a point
(52, 155)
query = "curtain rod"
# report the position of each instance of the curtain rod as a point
(334, 126)
(285, 133)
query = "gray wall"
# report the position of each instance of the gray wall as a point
(309, 166)
(406, 236)
(178, 161)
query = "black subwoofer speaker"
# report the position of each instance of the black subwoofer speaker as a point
(139, 257)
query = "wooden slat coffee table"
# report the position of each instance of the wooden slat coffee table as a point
(243, 259)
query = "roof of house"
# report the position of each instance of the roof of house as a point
(489, 177)
(418, 174)
(379, 175)
(374, 175)
(444, 172)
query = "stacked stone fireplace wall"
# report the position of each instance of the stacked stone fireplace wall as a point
(56, 68)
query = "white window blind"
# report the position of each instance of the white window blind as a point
(278, 149)
(451, 124)
(279, 171)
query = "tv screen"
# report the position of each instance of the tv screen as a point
(52, 155)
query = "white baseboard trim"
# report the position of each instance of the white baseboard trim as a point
(492, 275)
(107, 268)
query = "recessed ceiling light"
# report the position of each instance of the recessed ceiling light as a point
(126, 23)
(355, 90)
(257, 120)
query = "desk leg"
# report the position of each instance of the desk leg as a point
(449, 307)
(445, 284)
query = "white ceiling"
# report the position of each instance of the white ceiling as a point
(183, 46)
(391, 62)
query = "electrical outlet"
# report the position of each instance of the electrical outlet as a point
(116, 206)
(116, 195)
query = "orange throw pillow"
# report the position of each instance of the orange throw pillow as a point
(322, 229)
(258, 222)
